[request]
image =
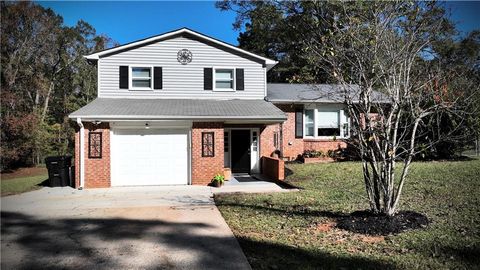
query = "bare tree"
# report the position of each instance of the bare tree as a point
(387, 47)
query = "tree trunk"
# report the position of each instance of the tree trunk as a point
(47, 99)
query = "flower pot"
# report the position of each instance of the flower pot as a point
(216, 184)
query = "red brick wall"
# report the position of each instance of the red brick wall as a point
(266, 139)
(97, 171)
(204, 168)
(324, 145)
(273, 168)
(293, 147)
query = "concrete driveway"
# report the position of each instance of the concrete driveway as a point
(121, 228)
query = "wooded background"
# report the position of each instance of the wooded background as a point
(44, 77)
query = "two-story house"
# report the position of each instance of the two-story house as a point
(178, 108)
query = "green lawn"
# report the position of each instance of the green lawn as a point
(22, 184)
(287, 231)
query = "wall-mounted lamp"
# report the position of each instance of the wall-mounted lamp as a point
(147, 126)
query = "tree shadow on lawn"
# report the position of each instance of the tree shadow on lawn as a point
(265, 255)
(69, 243)
(363, 222)
(466, 255)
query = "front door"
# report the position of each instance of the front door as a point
(240, 151)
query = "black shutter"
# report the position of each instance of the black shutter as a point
(207, 79)
(157, 78)
(239, 79)
(298, 123)
(123, 77)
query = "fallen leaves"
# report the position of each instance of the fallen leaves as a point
(326, 227)
(373, 239)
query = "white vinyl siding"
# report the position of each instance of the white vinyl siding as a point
(180, 81)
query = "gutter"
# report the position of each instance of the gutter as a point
(81, 155)
(161, 117)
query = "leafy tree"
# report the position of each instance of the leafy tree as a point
(390, 47)
(276, 29)
(43, 78)
(405, 49)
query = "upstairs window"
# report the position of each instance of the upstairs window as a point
(141, 77)
(224, 79)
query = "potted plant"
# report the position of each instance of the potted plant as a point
(218, 180)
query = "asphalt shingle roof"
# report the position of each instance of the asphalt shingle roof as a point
(321, 93)
(175, 109)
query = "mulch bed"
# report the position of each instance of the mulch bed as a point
(365, 222)
(23, 172)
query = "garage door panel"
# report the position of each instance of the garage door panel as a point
(150, 157)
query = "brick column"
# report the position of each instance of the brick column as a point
(97, 170)
(204, 168)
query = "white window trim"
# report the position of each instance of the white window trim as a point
(315, 124)
(305, 123)
(130, 78)
(215, 80)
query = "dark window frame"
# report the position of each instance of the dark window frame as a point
(276, 140)
(205, 144)
(90, 145)
(299, 132)
(226, 143)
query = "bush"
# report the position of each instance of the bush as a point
(313, 154)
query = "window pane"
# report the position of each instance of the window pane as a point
(141, 83)
(328, 132)
(309, 122)
(309, 115)
(309, 129)
(141, 72)
(224, 85)
(224, 74)
(328, 119)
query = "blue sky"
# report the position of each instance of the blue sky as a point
(129, 21)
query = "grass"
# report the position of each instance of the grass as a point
(287, 230)
(21, 184)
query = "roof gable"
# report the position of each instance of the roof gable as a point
(185, 32)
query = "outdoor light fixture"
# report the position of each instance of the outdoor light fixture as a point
(146, 126)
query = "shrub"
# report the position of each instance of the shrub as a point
(312, 154)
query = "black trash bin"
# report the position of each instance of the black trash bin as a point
(59, 170)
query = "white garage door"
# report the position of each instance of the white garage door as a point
(149, 157)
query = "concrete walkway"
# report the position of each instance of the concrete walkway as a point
(117, 228)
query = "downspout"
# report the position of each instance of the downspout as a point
(81, 154)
